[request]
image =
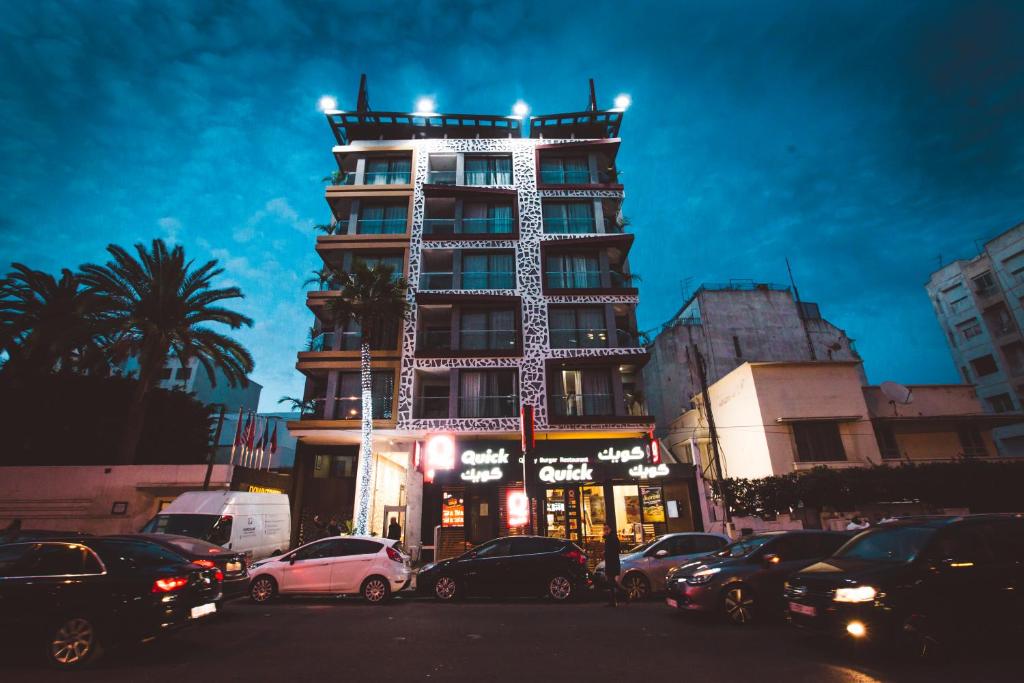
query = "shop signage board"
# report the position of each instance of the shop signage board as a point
(483, 462)
(575, 462)
(654, 510)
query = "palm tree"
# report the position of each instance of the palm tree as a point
(375, 300)
(299, 405)
(48, 324)
(159, 304)
(319, 278)
(327, 228)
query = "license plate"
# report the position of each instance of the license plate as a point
(233, 566)
(203, 610)
(805, 610)
(671, 602)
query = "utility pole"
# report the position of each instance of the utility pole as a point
(712, 431)
(213, 449)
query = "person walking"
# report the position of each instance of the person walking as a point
(333, 527)
(394, 530)
(611, 563)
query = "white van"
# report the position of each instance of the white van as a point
(257, 524)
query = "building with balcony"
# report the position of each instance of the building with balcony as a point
(979, 303)
(510, 236)
(730, 324)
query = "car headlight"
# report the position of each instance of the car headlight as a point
(702, 575)
(855, 594)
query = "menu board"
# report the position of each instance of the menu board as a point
(453, 510)
(654, 510)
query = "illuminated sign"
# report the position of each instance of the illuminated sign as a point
(616, 456)
(518, 508)
(262, 489)
(649, 471)
(440, 454)
(453, 510)
(566, 471)
(473, 461)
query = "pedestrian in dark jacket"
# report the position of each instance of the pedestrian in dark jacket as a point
(333, 527)
(394, 530)
(611, 562)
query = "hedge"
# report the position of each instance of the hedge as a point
(979, 486)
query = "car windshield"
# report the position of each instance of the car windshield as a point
(212, 528)
(743, 547)
(645, 545)
(894, 544)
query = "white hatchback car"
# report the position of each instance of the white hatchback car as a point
(338, 565)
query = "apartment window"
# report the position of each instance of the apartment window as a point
(334, 466)
(1000, 403)
(384, 337)
(442, 169)
(969, 329)
(959, 305)
(573, 170)
(395, 261)
(487, 393)
(887, 443)
(569, 217)
(349, 401)
(487, 329)
(388, 171)
(998, 319)
(984, 284)
(736, 346)
(573, 271)
(488, 271)
(818, 441)
(578, 328)
(582, 392)
(165, 373)
(985, 365)
(971, 443)
(480, 218)
(183, 373)
(1014, 355)
(382, 219)
(488, 170)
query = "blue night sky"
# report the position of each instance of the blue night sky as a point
(861, 140)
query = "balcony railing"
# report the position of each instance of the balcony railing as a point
(579, 338)
(584, 279)
(470, 280)
(317, 413)
(351, 407)
(487, 340)
(581, 405)
(348, 341)
(570, 226)
(434, 340)
(561, 177)
(441, 177)
(431, 407)
(322, 342)
(488, 178)
(468, 226)
(488, 406)
(381, 226)
(386, 177)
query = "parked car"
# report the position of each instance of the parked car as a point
(643, 568)
(917, 582)
(510, 566)
(257, 524)
(73, 597)
(357, 565)
(233, 565)
(745, 579)
(22, 535)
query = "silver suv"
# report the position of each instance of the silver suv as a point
(643, 568)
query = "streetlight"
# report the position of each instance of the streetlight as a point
(520, 109)
(425, 106)
(623, 101)
(327, 103)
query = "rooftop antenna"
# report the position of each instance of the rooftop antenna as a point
(593, 97)
(800, 311)
(897, 395)
(363, 100)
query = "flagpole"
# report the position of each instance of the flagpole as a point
(238, 432)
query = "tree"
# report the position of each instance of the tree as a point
(374, 299)
(299, 405)
(159, 304)
(327, 228)
(48, 324)
(319, 278)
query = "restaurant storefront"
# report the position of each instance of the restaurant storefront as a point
(576, 487)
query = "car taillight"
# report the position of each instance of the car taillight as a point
(171, 583)
(394, 554)
(576, 556)
(219, 575)
(208, 564)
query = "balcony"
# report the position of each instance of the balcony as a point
(351, 407)
(470, 280)
(488, 406)
(579, 338)
(586, 279)
(552, 176)
(487, 340)
(347, 341)
(430, 408)
(441, 177)
(380, 226)
(581, 405)
(436, 227)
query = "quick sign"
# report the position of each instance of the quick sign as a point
(481, 467)
(480, 462)
(570, 461)
(518, 508)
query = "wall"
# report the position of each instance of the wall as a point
(80, 498)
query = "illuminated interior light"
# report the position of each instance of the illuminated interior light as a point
(426, 106)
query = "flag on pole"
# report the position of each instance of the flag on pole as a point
(250, 437)
(273, 447)
(262, 445)
(238, 437)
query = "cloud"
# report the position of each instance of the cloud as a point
(171, 226)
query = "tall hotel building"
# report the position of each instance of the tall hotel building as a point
(511, 238)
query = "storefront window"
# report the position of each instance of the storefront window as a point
(453, 509)
(555, 506)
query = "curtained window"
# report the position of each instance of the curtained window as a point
(569, 217)
(488, 170)
(380, 220)
(565, 170)
(488, 271)
(386, 171)
(818, 441)
(487, 329)
(578, 328)
(349, 397)
(583, 392)
(487, 393)
(573, 271)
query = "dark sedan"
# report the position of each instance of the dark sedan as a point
(745, 579)
(71, 598)
(510, 566)
(233, 565)
(917, 583)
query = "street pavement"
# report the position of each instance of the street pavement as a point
(522, 641)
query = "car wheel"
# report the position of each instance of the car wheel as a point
(636, 586)
(376, 590)
(560, 588)
(263, 589)
(73, 643)
(738, 605)
(446, 588)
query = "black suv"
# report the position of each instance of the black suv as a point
(917, 582)
(514, 565)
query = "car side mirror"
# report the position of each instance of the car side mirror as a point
(291, 560)
(661, 553)
(771, 559)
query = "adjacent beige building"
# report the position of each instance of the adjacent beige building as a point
(779, 417)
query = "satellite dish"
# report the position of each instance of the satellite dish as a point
(897, 393)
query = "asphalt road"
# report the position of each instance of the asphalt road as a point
(522, 641)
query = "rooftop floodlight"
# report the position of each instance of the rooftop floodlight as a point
(327, 103)
(425, 106)
(520, 109)
(623, 101)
